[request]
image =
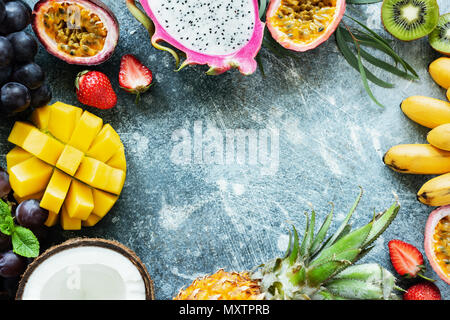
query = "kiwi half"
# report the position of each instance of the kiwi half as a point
(440, 37)
(410, 19)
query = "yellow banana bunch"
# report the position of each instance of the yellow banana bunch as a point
(417, 159)
(432, 158)
(436, 192)
(428, 112)
(440, 72)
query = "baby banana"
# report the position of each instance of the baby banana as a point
(417, 159)
(440, 72)
(436, 192)
(440, 137)
(426, 111)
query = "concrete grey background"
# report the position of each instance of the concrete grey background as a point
(188, 220)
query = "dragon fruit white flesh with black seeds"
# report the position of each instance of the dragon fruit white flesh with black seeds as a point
(220, 33)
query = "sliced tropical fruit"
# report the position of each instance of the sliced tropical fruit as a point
(437, 242)
(52, 220)
(16, 156)
(30, 176)
(56, 191)
(70, 161)
(303, 25)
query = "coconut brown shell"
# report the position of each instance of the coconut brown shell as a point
(89, 242)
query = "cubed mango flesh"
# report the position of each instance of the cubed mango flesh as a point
(16, 156)
(63, 120)
(118, 160)
(103, 202)
(52, 219)
(36, 196)
(70, 160)
(30, 176)
(80, 201)
(43, 146)
(68, 223)
(105, 145)
(101, 176)
(40, 117)
(56, 191)
(91, 221)
(88, 127)
(20, 132)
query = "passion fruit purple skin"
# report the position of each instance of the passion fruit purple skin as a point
(96, 6)
(430, 228)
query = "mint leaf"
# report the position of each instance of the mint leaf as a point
(7, 225)
(25, 242)
(6, 221)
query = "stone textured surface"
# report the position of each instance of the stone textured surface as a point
(188, 220)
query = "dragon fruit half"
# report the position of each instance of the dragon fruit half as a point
(221, 34)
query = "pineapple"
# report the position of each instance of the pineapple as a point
(315, 269)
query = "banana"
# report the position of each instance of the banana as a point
(440, 72)
(436, 192)
(439, 137)
(426, 111)
(417, 159)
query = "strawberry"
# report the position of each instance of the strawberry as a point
(134, 77)
(94, 89)
(423, 291)
(406, 259)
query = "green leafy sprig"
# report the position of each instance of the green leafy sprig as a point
(24, 242)
(352, 44)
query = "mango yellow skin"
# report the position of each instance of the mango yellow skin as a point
(417, 159)
(428, 112)
(436, 192)
(440, 137)
(440, 72)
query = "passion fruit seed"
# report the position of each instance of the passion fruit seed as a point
(442, 244)
(83, 40)
(304, 20)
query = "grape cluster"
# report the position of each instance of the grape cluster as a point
(27, 214)
(22, 81)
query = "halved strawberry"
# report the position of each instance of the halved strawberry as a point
(406, 259)
(134, 77)
(423, 291)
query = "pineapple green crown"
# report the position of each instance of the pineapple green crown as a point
(322, 268)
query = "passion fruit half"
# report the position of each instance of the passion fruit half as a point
(437, 242)
(82, 32)
(302, 25)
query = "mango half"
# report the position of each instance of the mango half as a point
(70, 161)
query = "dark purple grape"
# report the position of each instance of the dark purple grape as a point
(11, 264)
(41, 97)
(6, 52)
(30, 215)
(11, 285)
(14, 97)
(5, 74)
(2, 11)
(5, 242)
(5, 187)
(30, 75)
(17, 17)
(25, 46)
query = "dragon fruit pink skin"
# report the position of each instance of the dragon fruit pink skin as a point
(243, 58)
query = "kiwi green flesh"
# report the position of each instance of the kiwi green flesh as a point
(440, 37)
(409, 20)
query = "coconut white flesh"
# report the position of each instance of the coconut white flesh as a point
(85, 273)
(207, 26)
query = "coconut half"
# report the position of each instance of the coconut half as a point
(86, 269)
